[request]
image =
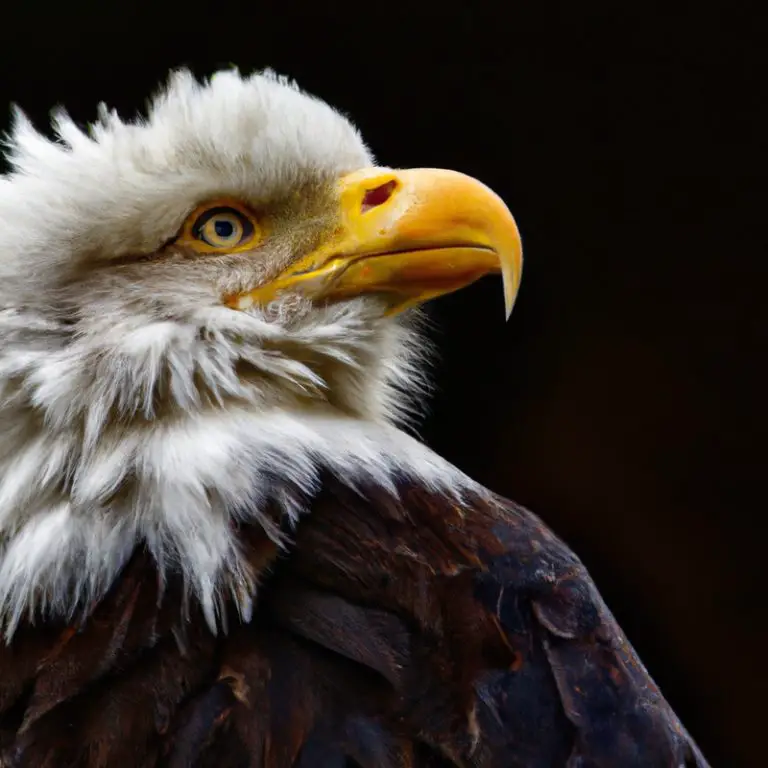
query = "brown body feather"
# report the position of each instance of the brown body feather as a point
(395, 633)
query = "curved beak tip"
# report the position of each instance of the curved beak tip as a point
(511, 282)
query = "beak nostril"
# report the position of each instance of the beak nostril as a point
(378, 195)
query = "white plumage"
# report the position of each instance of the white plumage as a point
(124, 411)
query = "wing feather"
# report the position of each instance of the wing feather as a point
(407, 631)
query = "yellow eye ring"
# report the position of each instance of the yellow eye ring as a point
(222, 226)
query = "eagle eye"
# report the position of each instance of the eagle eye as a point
(220, 228)
(223, 228)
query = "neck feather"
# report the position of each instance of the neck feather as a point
(68, 523)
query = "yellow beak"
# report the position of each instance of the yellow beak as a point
(408, 236)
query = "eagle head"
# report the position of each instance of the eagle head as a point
(198, 311)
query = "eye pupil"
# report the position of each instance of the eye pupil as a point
(224, 229)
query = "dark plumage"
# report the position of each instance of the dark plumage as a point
(394, 632)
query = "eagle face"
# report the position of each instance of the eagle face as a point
(182, 296)
(110, 241)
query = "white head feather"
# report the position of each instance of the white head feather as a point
(135, 406)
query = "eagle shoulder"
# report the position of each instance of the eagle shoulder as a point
(408, 628)
(510, 655)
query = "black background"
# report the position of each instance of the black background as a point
(625, 399)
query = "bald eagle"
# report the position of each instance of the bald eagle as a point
(218, 547)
